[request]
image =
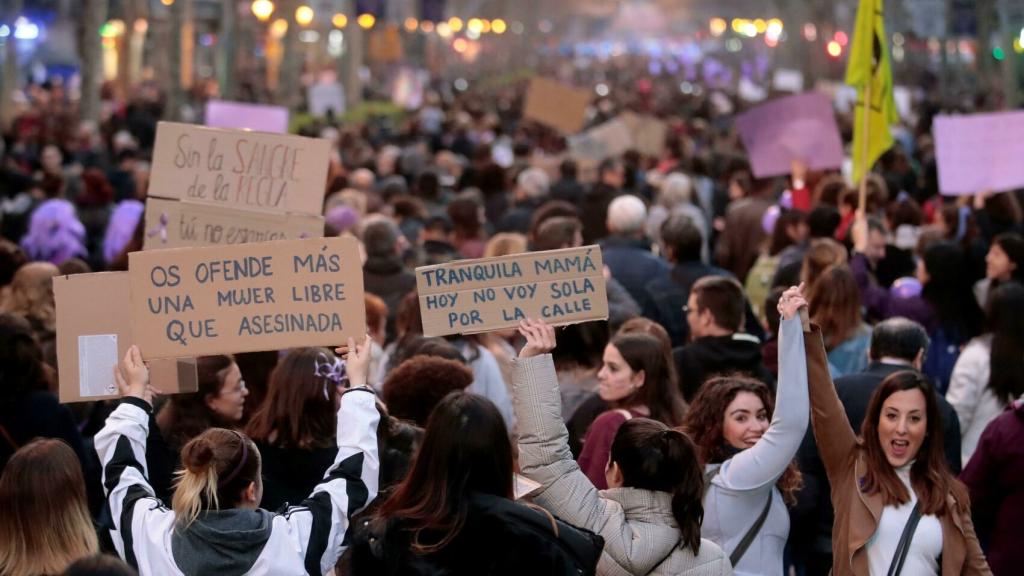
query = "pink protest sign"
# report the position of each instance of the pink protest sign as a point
(979, 152)
(801, 127)
(258, 117)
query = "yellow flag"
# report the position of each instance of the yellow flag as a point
(869, 67)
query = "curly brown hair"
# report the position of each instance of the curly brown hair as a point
(705, 419)
(413, 389)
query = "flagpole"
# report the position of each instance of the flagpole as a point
(865, 141)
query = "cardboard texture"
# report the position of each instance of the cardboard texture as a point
(468, 296)
(979, 152)
(260, 117)
(174, 224)
(557, 106)
(612, 138)
(239, 169)
(801, 127)
(79, 315)
(246, 298)
(648, 133)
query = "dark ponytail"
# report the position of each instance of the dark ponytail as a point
(653, 456)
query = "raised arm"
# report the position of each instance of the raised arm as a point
(121, 446)
(832, 431)
(544, 455)
(319, 525)
(764, 463)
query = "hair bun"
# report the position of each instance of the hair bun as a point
(197, 455)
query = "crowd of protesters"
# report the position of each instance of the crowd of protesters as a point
(785, 384)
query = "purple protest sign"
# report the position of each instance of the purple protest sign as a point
(258, 117)
(980, 152)
(801, 127)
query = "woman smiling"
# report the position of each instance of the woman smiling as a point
(898, 508)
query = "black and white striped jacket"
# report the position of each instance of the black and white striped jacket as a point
(306, 539)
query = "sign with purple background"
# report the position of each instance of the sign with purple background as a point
(801, 127)
(979, 152)
(258, 117)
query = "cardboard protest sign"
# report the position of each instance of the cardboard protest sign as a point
(173, 224)
(324, 96)
(556, 105)
(92, 338)
(648, 133)
(979, 152)
(801, 127)
(609, 139)
(467, 296)
(239, 169)
(259, 117)
(246, 298)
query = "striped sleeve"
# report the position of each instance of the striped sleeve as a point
(320, 524)
(121, 446)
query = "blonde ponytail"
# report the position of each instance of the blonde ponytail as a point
(191, 491)
(217, 466)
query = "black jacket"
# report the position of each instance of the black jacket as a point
(812, 518)
(665, 297)
(719, 355)
(291, 474)
(391, 281)
(594, 212)
(499, 537)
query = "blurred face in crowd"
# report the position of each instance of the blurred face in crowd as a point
(229, 404)
(617, 380)
(51, 160)
(998, 265)
(699, 320)
(902, 426)
(615, 177)
(876, 246)
(746, 420)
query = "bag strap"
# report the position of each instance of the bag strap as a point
(752, 533)
(904, 546)
(665, 559)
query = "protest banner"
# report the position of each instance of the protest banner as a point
(239, 169)
(173, 224)
(609, 139)
(324, 96)
(801, 127)
(246, 298)
(468, 296)
(979, 152)
(239, 115)
(91, 339)
(646, 132)
(556, 105)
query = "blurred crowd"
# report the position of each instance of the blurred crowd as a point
(704, 428)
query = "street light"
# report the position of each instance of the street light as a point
(339, 20)
(261, 9)
(498, 26)
(304, 15)
(366, 21)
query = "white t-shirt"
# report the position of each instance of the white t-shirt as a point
(925, 548)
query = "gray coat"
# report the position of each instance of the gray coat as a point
(637, 525)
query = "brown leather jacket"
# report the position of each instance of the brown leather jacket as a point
(857, 514)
